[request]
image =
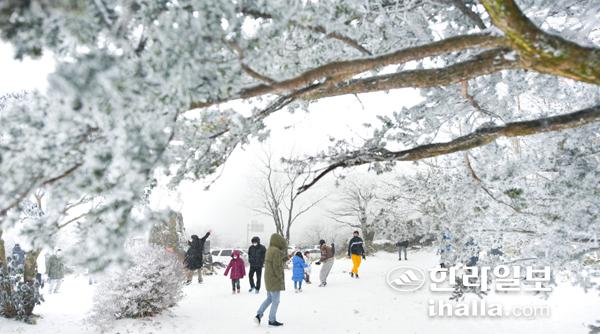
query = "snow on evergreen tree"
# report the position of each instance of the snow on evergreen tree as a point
(17, 297)
(152, 283)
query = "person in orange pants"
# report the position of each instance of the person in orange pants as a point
(357, 252)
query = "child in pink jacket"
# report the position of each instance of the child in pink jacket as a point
(238, 270)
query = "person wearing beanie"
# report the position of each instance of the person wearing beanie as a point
(256, 258)
(326, 260)
(356, 252)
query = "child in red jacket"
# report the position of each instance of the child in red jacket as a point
(238, 270)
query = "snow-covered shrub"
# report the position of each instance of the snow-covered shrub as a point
(152, 283)
(17, 297)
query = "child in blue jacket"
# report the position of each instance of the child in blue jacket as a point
(298, 271)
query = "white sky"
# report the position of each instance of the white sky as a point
(226, 207)
(17, 76)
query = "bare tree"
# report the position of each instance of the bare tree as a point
(315, 232)
(279, 198)
(358, 209)
(331, 233)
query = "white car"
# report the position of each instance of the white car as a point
(315, 254)
(223, 256)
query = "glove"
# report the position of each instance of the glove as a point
(364, 257)
(318, 263)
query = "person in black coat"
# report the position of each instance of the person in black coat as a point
(402, 246)
(193, 257)
(256, 257)
(356, 252)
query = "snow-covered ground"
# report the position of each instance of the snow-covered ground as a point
(365, 305)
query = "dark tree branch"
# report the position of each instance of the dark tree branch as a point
(62, 176)
(342, 38)
(485, 63)
(474, 103)
(338, 71)
(478, 138)
(484, 188)
(247, 69)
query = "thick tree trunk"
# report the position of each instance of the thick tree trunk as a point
(31, 265)
(6, 308)
(541, 51)
(287, 235)
(29, 276)
(3, 261)
(369, 236)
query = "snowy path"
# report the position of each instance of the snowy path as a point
(346, 305)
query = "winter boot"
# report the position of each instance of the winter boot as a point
(356, 275)
(275, 323)
(257, 319)
(251, 289)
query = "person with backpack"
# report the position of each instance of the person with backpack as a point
(256, 257)
(238, 270)
(298, 266)
(193, 257)
(402, 246)
(356, 251)
(275, 260)
(326, 260)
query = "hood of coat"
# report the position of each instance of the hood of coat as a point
(278, 241)
(236, 253)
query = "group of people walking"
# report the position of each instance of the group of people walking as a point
(273, 260)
